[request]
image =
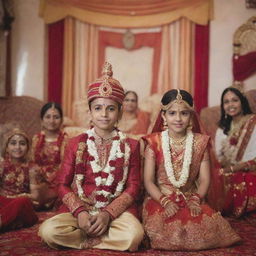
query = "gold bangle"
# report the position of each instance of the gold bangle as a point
(167, 202)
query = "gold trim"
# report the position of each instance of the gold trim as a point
(52, 12)
(244, 39)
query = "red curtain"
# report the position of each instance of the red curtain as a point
(201, 67)
(143, 39)
(244, 66)
(55, 60)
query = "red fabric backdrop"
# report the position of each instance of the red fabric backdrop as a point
(55, 60)
(201, 67)
(244, 66)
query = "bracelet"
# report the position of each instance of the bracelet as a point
(164, 200)
(195, 198)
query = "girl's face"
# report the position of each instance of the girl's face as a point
(232, 104)
(52, 120)
(177, 118)
(17, 147)
(104, 114)
(130, 103)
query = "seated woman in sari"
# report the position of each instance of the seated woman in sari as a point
(16, 208)
(176, 177)
(47, 151)
(236, 152)
(134, 121)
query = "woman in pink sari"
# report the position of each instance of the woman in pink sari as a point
(176, 177)
(236, 152)
(16, 208)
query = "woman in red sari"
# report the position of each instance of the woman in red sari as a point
(134, 121)
(176, 177)
(236, 152)
(16, 208)
(47, 151)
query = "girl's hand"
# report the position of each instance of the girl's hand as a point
(171, 209)
(195, 210)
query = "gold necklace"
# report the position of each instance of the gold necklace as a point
(178, 142)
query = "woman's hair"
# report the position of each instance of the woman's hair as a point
(225, 121)
(133, 92)
(172, 94)
(50, 105)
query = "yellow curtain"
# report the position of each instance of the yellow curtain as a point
(68, 66)
(80, 67)
(177, 55)
(127, 13)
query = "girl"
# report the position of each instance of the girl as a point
(16, 208)
(176, 177)
(47, 152)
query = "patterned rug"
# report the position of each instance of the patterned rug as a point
(26, 242)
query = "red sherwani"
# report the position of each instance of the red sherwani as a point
(68, 191)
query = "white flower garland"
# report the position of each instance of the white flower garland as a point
(115, 152)
(166, 141)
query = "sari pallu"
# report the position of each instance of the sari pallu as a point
(182, 231)
(239, 187)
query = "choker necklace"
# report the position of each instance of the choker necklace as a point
(178, 142)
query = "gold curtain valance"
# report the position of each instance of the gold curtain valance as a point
(127, 13)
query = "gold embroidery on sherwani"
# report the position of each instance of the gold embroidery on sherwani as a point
(120, 204)
(73, 202)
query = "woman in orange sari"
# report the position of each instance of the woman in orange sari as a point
(235, 150)
(134, 121)
(47, 151)
(176, 177)
(16, 208)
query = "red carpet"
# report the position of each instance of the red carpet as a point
(26, 242)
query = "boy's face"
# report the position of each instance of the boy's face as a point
(104, 114)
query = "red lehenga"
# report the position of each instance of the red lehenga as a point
(239, 193)
(182, 231)
(16, 208)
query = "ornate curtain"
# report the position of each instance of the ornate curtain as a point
(180, 49)
(127, 13)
